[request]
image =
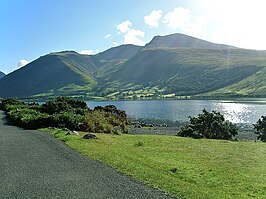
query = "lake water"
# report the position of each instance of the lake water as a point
(237, 111)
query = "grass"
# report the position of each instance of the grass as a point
(182, 167)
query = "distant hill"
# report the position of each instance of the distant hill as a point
(172, 65)
(50, 73)
(183, 41)
(2, 74)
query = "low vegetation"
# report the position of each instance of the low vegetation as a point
(64, 112)
(182, 167)
(260, 129)
(210, 125)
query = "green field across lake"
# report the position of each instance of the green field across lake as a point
(182, 167)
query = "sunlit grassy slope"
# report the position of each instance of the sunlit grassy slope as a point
(173, 65)
(183, 167)
(255, 85)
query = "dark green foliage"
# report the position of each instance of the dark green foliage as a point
(210, 125)
(106, 119)
(28, 118)
(119, 114)
(100, 122)
(260, 129)
(63, 104)
(9, 101)
(68, 120)
(65, 112)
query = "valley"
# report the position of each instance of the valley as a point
(174, 66)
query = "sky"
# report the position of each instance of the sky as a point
(32, 28)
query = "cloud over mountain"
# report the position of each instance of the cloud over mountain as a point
(131, 36)
(22, 63)
(153, 18)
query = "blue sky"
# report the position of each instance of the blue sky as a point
(32, 28)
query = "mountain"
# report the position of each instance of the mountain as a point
(171, 65)
(186, 71)
(50, 73)
(122, 52)
(2, 74)
(183, 41)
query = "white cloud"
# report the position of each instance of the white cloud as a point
(86, 52)
(22, 63)
(182, 19)
(153, 18)
(134, 37)
(124, 26)
(131, 36)
(107, 36)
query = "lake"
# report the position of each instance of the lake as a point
(237, 111)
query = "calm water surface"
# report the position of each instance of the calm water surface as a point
(236, 111)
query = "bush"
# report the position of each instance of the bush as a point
(260, 129)
(68, 120)
(210, 125)
(119, 114)
(28, 118)
(98, 121)
(66, 112)
(9, 101)
(63, 104)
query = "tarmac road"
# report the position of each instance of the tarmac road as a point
(35, 165)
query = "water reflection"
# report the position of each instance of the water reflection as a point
(237, 111)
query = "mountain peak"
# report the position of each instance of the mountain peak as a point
(179, 40)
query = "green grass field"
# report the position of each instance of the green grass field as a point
(182, 167)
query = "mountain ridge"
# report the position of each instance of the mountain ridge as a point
(179, 40)
(171, 65)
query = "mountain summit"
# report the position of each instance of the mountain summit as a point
(183, 41)
(172, 65)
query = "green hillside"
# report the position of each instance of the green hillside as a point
(50, 73)
(122, 52)
(169, 66)
(253, 86)
(186, 71)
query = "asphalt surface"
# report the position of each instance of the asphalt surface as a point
(35, 165)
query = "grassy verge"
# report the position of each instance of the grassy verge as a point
(183, 167)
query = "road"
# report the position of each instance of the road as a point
(33, 164)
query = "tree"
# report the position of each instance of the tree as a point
(210, 125)
(260, 129)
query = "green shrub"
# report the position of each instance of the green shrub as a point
(9, 101)
(68, 120)
(28, 118)
(119, 114)
(260, 129)
(210, 125)
(63, 104)
(66, 112)
(98, 121)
